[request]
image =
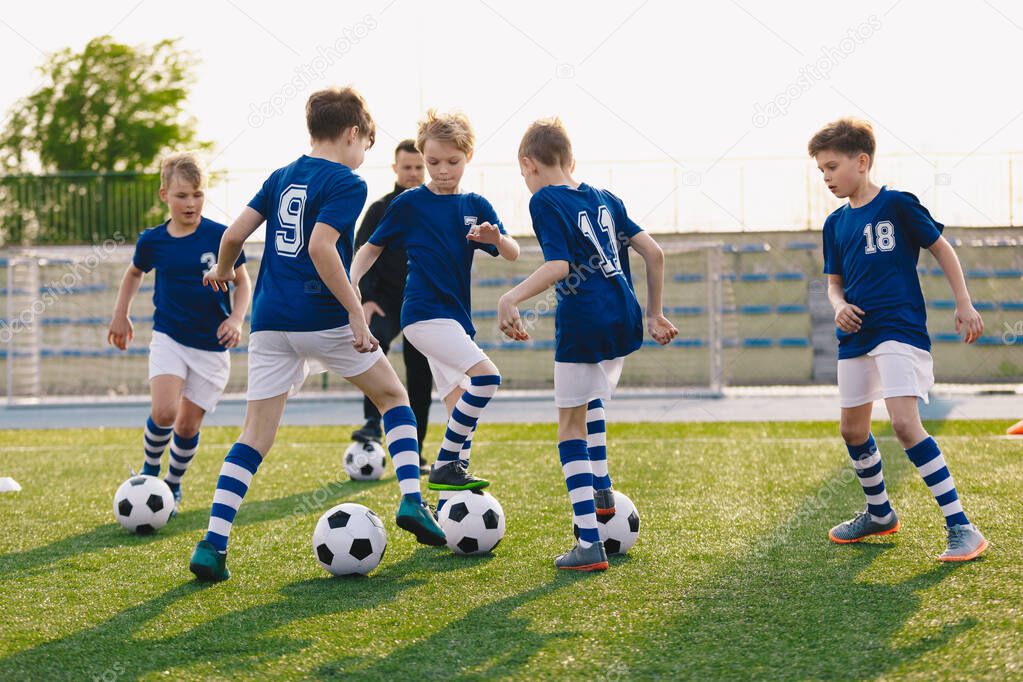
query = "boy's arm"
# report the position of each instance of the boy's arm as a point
(660, 328)
(327, 261)
(230, 331)
(488, 233)
(543, 278)
(231, 247)
(364, 259)
(848, 317)
(966, 315)
(121, 330)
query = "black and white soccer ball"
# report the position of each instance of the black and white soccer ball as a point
(620, 530)
(473, 522)
(365, 461)
(143, 504)
(349, 539)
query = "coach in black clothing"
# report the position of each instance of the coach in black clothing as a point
(383, 289)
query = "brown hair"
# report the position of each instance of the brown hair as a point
(185, 165)
(546, 141)
(405, 146)
(451, 127)
(846, 135)
(331, 111)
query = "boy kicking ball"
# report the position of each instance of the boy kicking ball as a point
(193, 327)
(585, 231)
(871, 248)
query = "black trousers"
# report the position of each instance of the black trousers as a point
(418, 378)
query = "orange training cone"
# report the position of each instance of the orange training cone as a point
(1016, 429)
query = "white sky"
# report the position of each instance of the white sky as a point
(676, 84)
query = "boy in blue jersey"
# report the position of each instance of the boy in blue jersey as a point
(871, 248)
(193, 327)
(306, 312)
(585, 235)
(441, 229)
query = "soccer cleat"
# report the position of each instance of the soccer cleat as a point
(964, 543)
(592, 558)
(455, 476)
(176, 492)
(605, 501)
(208, 564)
(368, 432)
(862, 526)
(419, 520)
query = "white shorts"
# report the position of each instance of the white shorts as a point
(891, 370)
(448, 349)
(205, 372)
(577, 383)
(280, 361)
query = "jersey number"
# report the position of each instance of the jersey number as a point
(209, 259)
(290, 237)
(609, 262)
(885, 240)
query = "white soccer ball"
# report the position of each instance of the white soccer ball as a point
(620, 530)
(473, 522)
(349, 539)
(143, 504)
(365, 461)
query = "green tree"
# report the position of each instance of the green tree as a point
(110, 107)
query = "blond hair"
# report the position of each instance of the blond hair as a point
(846, 135)
(546, 141)
(185, 165)
(453, 127)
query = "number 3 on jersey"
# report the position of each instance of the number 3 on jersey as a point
(605, 241)
(290, 238)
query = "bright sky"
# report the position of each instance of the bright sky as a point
(677, 85)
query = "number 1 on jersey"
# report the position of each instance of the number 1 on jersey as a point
(610, 265)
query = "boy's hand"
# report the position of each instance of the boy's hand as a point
(229, 333)
(121, 332)
(485, 233)
(369, 309)
(509, 321)
(849, 317)
(968, 319)
(218, 281)
(363, 340)
(661, 329)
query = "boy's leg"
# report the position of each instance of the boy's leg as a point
(184, 445)
(420, 385)
(588, 554)
(384, 330)
(165, 391)
(596, 445)
(965, 542)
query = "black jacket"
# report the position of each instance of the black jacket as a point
(384, 284)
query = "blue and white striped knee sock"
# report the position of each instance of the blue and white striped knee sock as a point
(182, 450)
(867, 462)
(466, 415)
(596, 443)
(236, 474)
(575, 464)
(155, 439)
(930, 463)
(444, 495)
(403, 444)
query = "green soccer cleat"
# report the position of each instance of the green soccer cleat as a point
(861, 526)
(208, 564)
(592, 558)
(964, 543)
(419, 520)
(455, 476)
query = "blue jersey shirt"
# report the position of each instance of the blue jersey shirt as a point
(875, 249)
(432, 229)
(185, 310)
(598, 316)
(290, 296)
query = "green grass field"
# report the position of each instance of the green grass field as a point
(732, 577)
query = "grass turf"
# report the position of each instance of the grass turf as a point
(732, 577)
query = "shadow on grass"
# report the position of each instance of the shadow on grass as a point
(18, 565)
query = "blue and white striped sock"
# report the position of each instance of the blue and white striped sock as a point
(930, 463)
(182, 450)
(867, 462)
(444, 495)
(403, 444)
(596, 443)
(155, 439)
(236, 474)
(575, 464)
(466, 415)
